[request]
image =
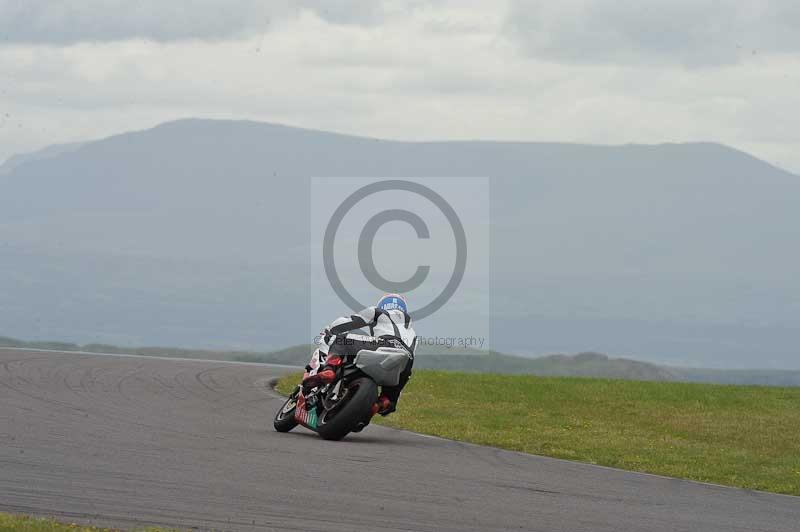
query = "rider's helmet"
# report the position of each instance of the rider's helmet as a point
(393, 302)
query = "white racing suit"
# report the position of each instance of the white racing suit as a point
(390, 328)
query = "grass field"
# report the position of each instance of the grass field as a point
(745, 436)
(24, 523)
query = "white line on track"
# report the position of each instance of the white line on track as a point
(156, 357)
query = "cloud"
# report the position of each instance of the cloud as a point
(694, 33)
(75, 21)
(439, 70)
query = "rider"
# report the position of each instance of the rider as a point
(389, 326)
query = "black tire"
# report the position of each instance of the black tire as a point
(346, 416)
(284, 419)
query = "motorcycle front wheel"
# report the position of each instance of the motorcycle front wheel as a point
(340, 418)
(284, 419)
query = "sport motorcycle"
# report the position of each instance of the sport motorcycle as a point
(348, 402)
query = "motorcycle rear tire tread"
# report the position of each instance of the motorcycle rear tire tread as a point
(352, 413)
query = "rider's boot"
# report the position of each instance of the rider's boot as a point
(382, 404)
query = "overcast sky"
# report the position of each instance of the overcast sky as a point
(580, 71)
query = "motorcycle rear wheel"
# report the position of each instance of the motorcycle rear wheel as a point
(337, 422)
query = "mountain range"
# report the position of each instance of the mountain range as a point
(196, 233)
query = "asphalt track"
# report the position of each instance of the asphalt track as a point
(133, 441)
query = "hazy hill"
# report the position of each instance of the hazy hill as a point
(455, 359)
(583, 364)
(50, 151)
(195, 233)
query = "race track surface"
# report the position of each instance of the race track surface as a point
(131, 441)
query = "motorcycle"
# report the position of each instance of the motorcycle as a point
(345, 404)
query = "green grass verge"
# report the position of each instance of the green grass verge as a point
(24, 523)
(745, 436)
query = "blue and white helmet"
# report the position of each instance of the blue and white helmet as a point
(393, 302)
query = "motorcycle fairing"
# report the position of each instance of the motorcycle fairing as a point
(314, 364)
(307, 418)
